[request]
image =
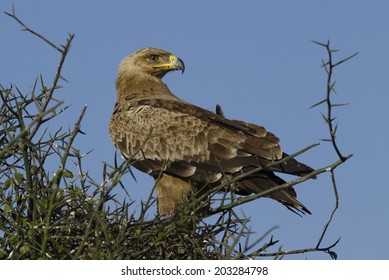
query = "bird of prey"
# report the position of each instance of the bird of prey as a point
(185, 147)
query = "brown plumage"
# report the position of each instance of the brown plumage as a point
(185, 147)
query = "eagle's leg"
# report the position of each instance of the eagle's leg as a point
(173, 191)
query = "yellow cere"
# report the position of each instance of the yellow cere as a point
(172, 58)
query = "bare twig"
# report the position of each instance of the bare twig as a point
(26, 28)
(327, 249)
(333, 210)
(27, 128)
(64, 49)
(329, 67)
(69, 144)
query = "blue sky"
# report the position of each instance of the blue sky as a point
(256, 59)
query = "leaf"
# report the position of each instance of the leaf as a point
(19, 177)
(34, 169)
(68, 174)
(24, 250)
(7, 183)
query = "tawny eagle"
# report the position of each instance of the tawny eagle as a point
(185, 147)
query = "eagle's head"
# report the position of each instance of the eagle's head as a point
(151, 61)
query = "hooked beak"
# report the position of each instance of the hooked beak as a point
(175, 63)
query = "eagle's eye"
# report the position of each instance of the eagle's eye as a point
(153, 57)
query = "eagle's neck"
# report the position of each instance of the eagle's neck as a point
(140, 86)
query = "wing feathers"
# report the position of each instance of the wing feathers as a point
(192, 143)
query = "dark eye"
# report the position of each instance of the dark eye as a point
(153, 57)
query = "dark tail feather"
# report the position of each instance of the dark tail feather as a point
(293, 167)
(263, 181)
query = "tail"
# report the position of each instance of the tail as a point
(266, 180)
